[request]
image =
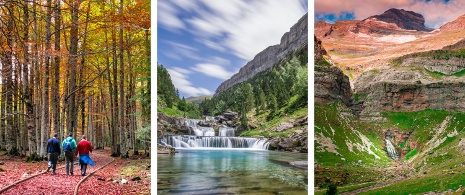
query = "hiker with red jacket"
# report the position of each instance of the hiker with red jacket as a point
(83, 149)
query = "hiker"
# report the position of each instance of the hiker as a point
(53, 150)
(83, 149)
(69, 145)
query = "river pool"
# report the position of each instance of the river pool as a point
(224, 171)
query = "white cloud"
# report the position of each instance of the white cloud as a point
(180, 51)
(180, 77)
(167, 16)
(245, 27)
(435, 12)
(213, 70)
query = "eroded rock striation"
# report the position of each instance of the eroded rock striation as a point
(264, 60)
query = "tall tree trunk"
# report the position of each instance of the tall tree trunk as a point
(27, 90)
(56, 73)
(36, 80)
(114, 96)
(7, 81)
(122, 118)
(45, 130)
(72, 65)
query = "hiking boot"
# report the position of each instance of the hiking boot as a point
(48, 169)
(53, 173)
(72, 173)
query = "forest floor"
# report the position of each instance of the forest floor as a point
(115, 178)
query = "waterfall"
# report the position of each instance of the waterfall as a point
(198, 130)
(391, 150)
(227, 131)
(190, 141)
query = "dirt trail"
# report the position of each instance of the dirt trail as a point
(60, 183)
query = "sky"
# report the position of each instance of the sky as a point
(435, 12)
(204, 42)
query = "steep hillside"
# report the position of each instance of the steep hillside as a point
(264, 60)
(406, 122)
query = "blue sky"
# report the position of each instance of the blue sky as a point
(204, 42)
(435, 12)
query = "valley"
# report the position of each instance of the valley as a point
(389, 115)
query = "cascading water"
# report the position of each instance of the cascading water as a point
(199, 130)
(391, 150)
(227, 131)
(190, 141)
(204, 137)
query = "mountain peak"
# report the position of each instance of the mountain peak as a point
(404, 19)
(457, 24)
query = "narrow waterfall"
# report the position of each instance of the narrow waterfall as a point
(227, 132)
(391, 150)
(189, 141)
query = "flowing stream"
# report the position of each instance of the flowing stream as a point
(391, 150)
(226, 164)
(204, 138)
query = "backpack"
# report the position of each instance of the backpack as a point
(67, 147)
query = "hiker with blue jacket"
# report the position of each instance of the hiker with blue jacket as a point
(69, 145)
(53, 150)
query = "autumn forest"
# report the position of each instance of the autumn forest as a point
(74, 66)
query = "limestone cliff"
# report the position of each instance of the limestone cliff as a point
(414, 82)
(331, 84)
(264, 60)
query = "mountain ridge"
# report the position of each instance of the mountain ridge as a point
(264, 60)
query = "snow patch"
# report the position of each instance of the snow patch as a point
(397, 38)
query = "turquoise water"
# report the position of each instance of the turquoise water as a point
(230, 172)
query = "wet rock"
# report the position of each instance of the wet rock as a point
(136, 178)
(165, 149)
(299, 163)
(2, 163)
(100, 179)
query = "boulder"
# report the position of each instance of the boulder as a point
(284, 127)
(165, 149)
(230, 115)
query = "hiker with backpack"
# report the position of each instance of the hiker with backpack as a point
(69, 145)
(83, 149)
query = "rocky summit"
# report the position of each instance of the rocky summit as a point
(264, 60)
(408, 20)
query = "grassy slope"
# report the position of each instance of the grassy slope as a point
(438, 162)
(335, 122)
(267, 128)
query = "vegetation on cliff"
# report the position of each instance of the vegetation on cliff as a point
(274, 93)
(168, 100)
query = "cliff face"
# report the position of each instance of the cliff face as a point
(331, 84)
(264, 60)
(415, 82)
